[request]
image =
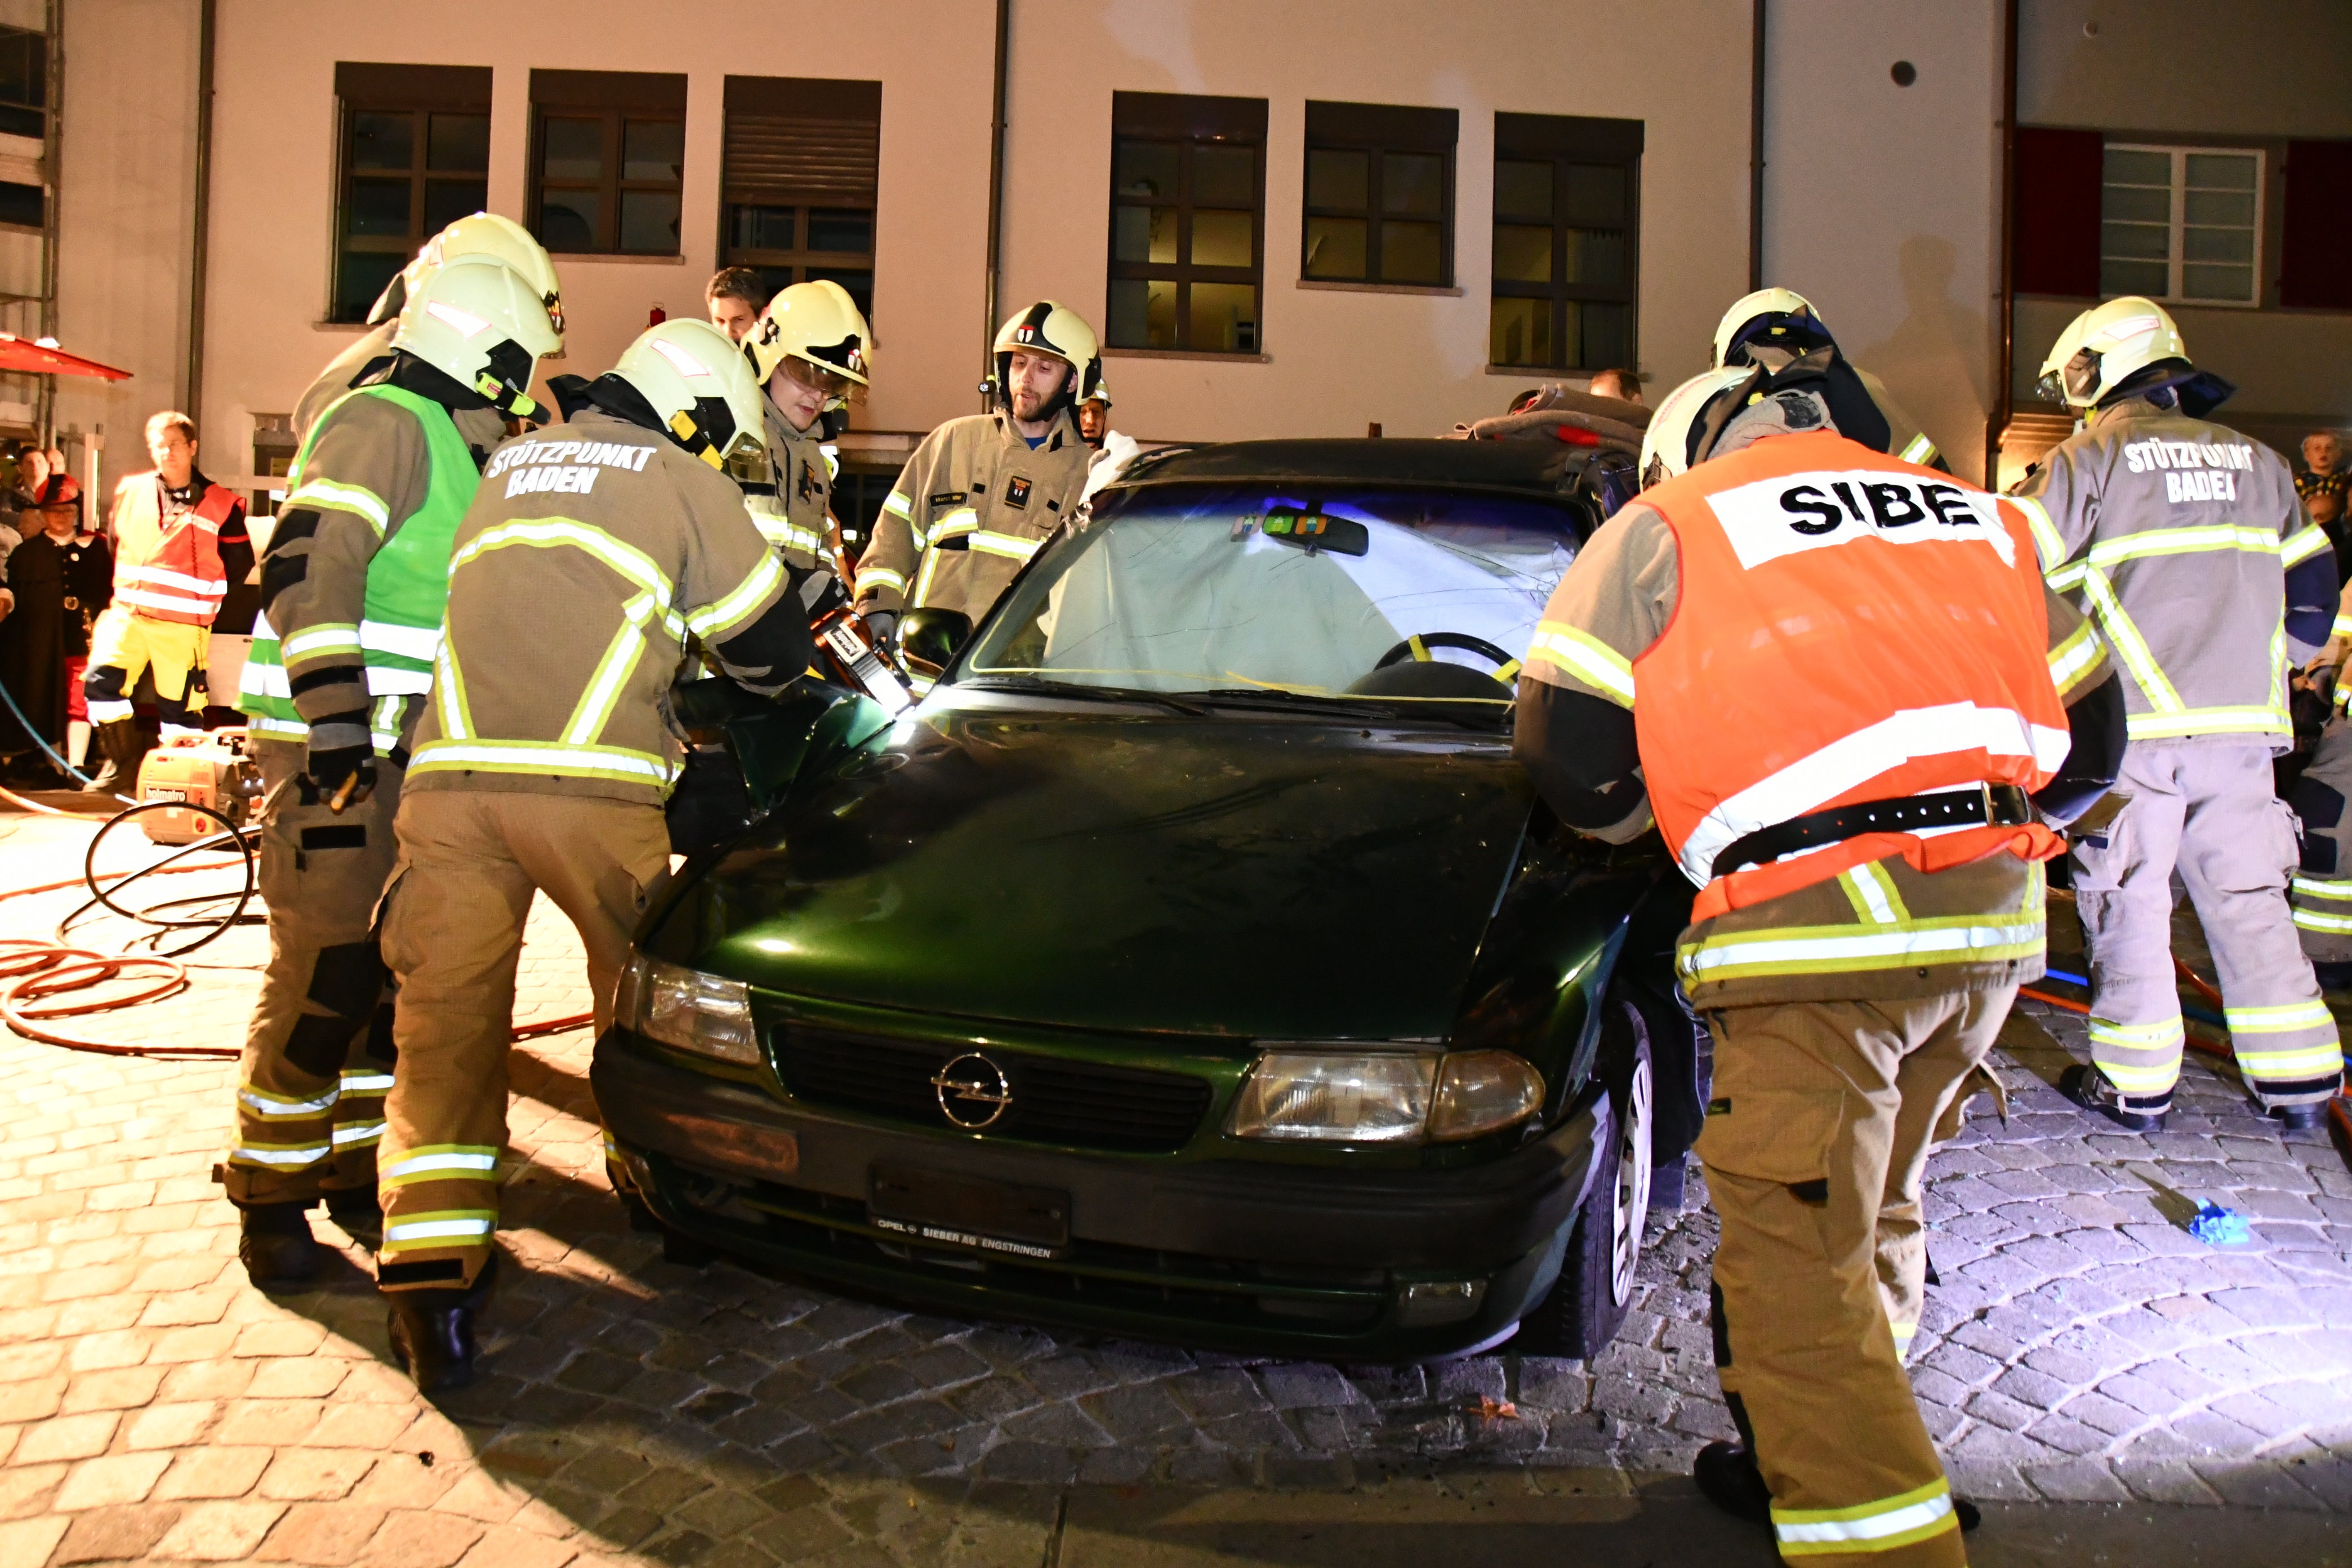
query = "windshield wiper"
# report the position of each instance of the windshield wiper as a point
(1457, 713)
(1045, 688)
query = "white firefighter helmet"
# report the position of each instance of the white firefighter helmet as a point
(817, 323)
(1049, 328)
(477, 320)
(699, 385)
(478, 234)
(1768, 317)
(2104, 346)
(1101, 394)
(1666, 441)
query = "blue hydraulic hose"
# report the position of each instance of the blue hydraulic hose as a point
(72, 772)
(2187, 1010)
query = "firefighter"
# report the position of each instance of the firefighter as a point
(543, 761)
(351, 590)
(2190, 551)
(481, 234)
(178, 542)
(808, 350)
(1774, 326)
(982, 493)
(1838, 684)
(1113, 450)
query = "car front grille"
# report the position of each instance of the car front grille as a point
(1054, 1099)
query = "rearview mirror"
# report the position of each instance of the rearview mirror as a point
(930, 638)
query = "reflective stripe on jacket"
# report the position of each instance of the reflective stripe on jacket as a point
(569, 610)
(167, 563)
(971, 508)
(399, 629)
(1850, 627)
(2174, 536)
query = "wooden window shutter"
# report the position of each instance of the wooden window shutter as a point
(2315, 259)
(2055, 219)
(795, 142)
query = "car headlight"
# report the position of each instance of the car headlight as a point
(686, 1009)
(1384, 1097)
(1482, 1091)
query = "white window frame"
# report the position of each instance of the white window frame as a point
(2179, 193)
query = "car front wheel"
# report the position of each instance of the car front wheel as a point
(1583, 1311)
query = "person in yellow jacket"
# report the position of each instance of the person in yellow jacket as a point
(180, 541)
(982, 493)
(1838, 684)
(541, 764)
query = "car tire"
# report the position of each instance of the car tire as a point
(1588, 1304)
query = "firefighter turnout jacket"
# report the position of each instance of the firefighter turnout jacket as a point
(173, 554)
(1805, 623)
(483, 428)
(791, 512)
(357, 570)
(593, 550)
(972, 505)
(2186, 544)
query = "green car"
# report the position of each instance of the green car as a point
(1193, 962)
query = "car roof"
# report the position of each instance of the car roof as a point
(1545, 469)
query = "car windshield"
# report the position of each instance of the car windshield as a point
(1230, 591)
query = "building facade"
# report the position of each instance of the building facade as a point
(1307, 220)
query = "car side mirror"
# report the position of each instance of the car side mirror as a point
(932, 636)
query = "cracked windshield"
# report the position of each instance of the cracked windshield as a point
(1396, 596)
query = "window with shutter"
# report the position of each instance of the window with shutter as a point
(608, 160)
(415, 157)
(1567, 241)
(1187, 222)
(798, 181)
(1380, 195)
(2315, 255)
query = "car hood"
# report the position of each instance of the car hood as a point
(1126, 869)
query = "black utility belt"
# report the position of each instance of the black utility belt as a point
(1984, 805)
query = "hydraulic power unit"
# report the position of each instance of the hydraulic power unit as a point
(214, 769)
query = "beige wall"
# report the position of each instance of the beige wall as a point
(274, 151)
(126, 182)
(1881, 203)
(2247, 67)
(1339, 360)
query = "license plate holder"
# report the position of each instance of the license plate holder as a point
(972, 1213)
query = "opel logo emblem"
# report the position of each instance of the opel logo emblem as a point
(973, 1091)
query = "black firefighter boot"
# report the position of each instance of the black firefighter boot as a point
(275, 1244)
(432, 1330)
(1726, 1473)
(118, 742)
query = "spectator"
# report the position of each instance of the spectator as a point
(734, 297)
(62, 576)
(1622, 384)
(2323, 486)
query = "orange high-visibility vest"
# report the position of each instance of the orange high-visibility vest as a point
(169, 568)
(1850, 627)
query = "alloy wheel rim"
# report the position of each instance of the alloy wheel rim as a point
(1632, 1198)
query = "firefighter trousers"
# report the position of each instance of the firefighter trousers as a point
(2322, 891)
(124, 645)
(318, 1055)
(452, 924)
(1816, 1142)
(2210, 811)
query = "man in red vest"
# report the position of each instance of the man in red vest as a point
(1854, 707)
(179, 543)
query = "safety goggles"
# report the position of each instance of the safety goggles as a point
(816, 378)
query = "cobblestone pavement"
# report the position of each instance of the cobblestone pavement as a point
(2081, 1348)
